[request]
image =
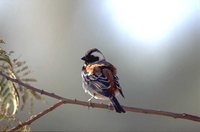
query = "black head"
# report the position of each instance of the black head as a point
(92, 56)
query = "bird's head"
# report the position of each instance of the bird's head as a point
(93, 56)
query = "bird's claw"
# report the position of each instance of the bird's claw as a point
(89, 100)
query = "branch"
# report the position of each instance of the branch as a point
(35, 117)
(104, 106)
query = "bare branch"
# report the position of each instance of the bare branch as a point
(104, 106)
(35, 117)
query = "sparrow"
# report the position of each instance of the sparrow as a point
(99, 78)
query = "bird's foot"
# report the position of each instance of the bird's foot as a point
(89, 100)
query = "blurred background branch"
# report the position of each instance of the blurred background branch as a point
(35, 117)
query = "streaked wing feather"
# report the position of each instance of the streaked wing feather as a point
(118, 85)
(100, 79)
(100, 83)
(117, 81)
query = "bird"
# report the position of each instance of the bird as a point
(99, 79)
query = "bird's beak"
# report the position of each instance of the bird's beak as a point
(83, 58)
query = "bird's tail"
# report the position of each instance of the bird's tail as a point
(116, 105)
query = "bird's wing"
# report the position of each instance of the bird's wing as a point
(102, 79)
(118, 85)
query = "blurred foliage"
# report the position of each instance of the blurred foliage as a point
(9, 97)
(14, 97)
(2, 41)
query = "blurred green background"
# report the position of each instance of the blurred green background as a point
(155, 46)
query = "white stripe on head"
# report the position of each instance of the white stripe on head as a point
(98, 54)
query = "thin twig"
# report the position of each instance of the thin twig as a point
(35, 117)
(104, 106)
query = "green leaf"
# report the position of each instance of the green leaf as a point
(9, 97)
(36, 95)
